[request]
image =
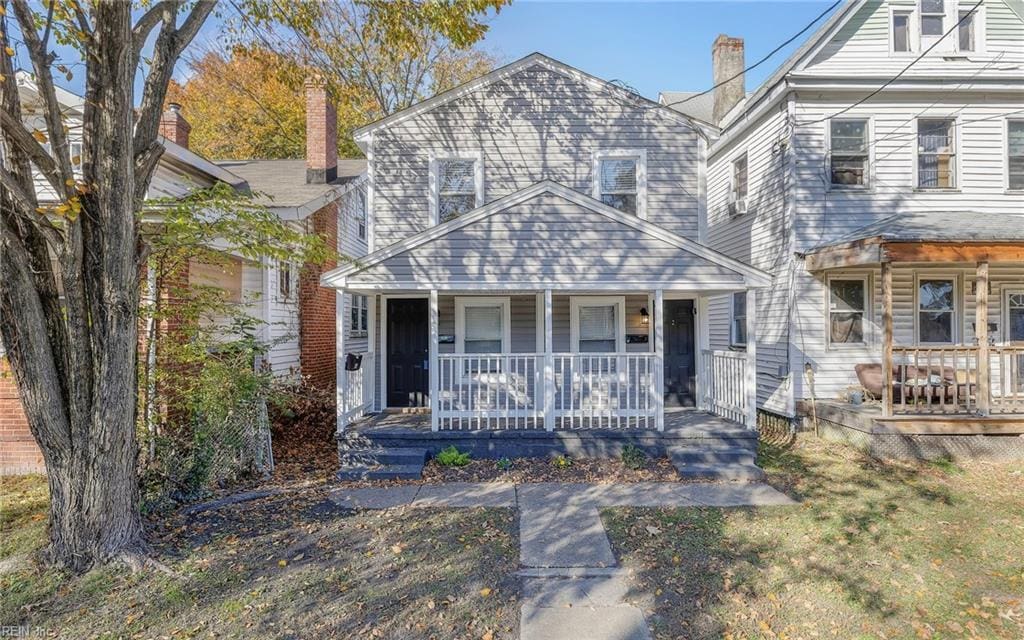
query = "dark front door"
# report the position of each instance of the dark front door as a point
(408, 353)
(680, 365)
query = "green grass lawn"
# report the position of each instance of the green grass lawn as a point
(873, 551)
(291, 566)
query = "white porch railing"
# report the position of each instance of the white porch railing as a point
(725, 384)
(606, 391)
(1007, 379)
(507, 391)
(489, 391)
(359, 389)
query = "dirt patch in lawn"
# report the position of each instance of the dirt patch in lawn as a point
(292, 566)
(874, 550)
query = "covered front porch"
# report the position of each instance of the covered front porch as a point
(542, 361)
(947, 339)
(545, 310)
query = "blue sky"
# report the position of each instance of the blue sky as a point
(652, 46)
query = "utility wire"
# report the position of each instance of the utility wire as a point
(762, 60)
(896, 77)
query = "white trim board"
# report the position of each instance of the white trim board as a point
(752, 275)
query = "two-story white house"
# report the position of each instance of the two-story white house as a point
(878, 176)
(536, 262)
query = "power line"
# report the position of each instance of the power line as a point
(896, 77)
(762, 60)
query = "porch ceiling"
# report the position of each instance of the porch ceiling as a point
(957, 236)
(547, 237)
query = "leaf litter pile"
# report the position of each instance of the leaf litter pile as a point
(874, 550)
(293, 566)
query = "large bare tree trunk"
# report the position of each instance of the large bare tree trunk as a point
(69, 304)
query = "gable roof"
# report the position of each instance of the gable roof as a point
(624, 95)
(751, 275)
(281, 184)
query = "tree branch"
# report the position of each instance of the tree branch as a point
(20, 138)
(53, 114)
(152, 17)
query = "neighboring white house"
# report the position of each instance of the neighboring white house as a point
(854, 164)
(535, 261)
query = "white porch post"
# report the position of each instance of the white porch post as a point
(549, 365)
(659, 359)
(751, 374)
(435, 395)
(341, 376)
(370, 378)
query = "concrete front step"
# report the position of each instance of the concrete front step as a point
(380, 456)
(383, 472)
(713, 455)
(733, 472)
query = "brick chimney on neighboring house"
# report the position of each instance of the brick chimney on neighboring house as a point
(321, 133)
(726, 62)
(174, 126)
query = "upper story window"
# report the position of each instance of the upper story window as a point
(739, 185)
(967, 37)
(456, 185)
(936, 154)
(933, 18)
(1015, 154)
(847, 304)
(621, 180)
(936, 310)
(901, 31)
(848, 151)
(738, 324)
(361, 215)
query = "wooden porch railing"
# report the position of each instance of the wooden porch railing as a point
(358, 390)
(725, 384)
(507, 391)
(934, 380)
(605, 391)
(1007, 379)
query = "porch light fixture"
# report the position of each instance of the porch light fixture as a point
(645, 318)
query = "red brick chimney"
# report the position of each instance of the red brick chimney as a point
(727, 62)
(321, 133)
(174, 126)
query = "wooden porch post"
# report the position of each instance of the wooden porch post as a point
(981, 332)
(435, 395)
(886, 338)
(751, 373)
(659, 359)
(340, 375)
(549, 365)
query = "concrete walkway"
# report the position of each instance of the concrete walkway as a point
(572, 589)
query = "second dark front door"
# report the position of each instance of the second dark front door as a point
(680, 364)
(408, 353)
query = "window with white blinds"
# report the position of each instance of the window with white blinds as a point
(483, 329)
(598, 324)
(619, 184)
(483, 325)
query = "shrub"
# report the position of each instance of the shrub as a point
(452, 457)
(633, 457)
(562, 461)
(503, 464)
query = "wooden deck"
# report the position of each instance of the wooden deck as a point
(869, 419)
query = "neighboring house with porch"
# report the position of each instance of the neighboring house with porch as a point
(319, 194)
(891, 221)
(537, 263)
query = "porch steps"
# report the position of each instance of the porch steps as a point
(712, 459)
(382, 463)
